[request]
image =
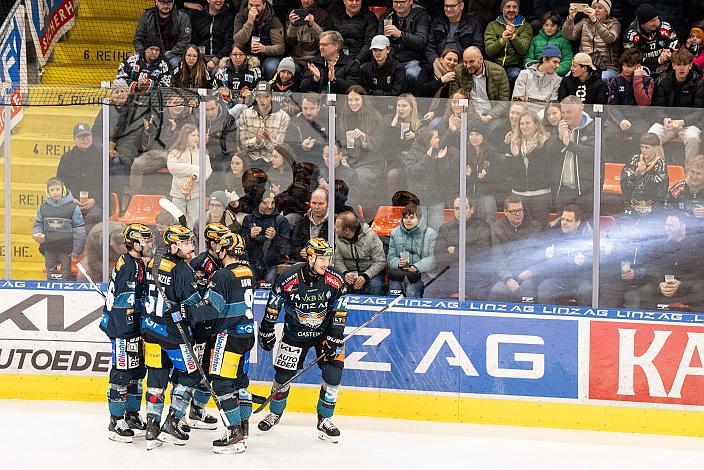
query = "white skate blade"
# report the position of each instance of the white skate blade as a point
(167, 438)
(113, 436)
(139, 432)
(195, 424)
(153, 444)
(324, 437)
(236, 448)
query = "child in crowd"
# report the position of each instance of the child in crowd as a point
(550, 34)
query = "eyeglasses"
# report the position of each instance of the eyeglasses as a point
(515, 212)
(450, 7)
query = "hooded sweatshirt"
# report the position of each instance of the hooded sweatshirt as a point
(419, 242)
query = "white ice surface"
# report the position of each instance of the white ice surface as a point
(70, 435)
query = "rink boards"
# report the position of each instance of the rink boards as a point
(479, 362)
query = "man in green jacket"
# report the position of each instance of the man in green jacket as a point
(507, 38)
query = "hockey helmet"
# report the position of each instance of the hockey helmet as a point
(215, 231)
(233, 244)
(177, 233)
(135, 233)
(318, 247)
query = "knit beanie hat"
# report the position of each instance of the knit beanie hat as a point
(645, 13)
(287, 63)
(604, 3)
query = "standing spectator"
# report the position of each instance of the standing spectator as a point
(399, 136)
(81, 170)
(307, 131)
(263, 125)
(146, 70)
(675, 11)
(575, 183)
(192, 72)
(93, 258)
(182, 162)
(654, 38)
(59, 229)
(552, 115)
(645, 177)
(281, 170)
(266, 234)
(453, 30)
(383, 75)
(359, 255)
(406, 26)
(171, 26)
(485, 172)
(598, 33)
(235, 80)
(239, 163)
(260, 33)
(449, 125)
(487, 83)
(331, 71)
(550, 34)
(213, 28)
(513, 240)
(507, 39)
(222, 136)
(529, 164)
(584, 82)
(538, 84)
(411, 253)
(303, 33)
(293, 203)
(357, 26)
(688, 194)
(313, 225)
(680, 89)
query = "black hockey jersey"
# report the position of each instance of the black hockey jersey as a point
(231, 293)
(313, 308)
(124, 302)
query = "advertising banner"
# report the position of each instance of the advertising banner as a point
(49, 20)
(13, 68)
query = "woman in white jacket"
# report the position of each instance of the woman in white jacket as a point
(182, 163)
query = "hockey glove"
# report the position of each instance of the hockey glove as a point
(267, 338)
(330, 347)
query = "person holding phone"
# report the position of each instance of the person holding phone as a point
(303, 30)
(653, 37)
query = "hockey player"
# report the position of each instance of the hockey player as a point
(231, 293)
(204, 265)
(124, 304)
(312, 295)
(164, 348)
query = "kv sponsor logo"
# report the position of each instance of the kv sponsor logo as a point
(52, 307)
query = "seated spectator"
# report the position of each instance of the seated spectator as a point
(254, 182)
(428, 168)
(293, 203)
(654, 38)
(182, 162)
(146, 70)
(531, 160)
(222, 136)
(507, 39)
(685, 195)
(236, 78)
(567, 266)
(550, 34)
(399, 135)
(260, 33)
(307, 131)
(383, 75)
(81, 171)
(303, 33)
(342, 192)
(515, 109)
(513, 244)
(267, 235)
(435, 78)
(331, 71)
(584, 82)
(359, 255)
(284, 84)
(313, 225)
(599, 35)
(263, 125)
(477, 249)
(487, 83)
(93, 253)
(673, 279)
(406, 26)
(632, 87)
(357, 26)
(485, 172)
(213, 28)
(59, 229)
(161, 129)
(575, 182)
(538, 84)
(343, 172)
(232, 181)
(280, 171)
(682, 90)
(695, 45)
(645, 177)
(192, 72)
(411, 253)
(552, 115)
(170, 26)
(454, 30)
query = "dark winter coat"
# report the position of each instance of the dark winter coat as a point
(414, 34)
(213, 32)
(591, 91)
(469, 33)
(357, 31)
(347, 73)
(684, 96)
(388, 79)
(264, 253)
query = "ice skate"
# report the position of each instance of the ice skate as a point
(198, 418)
(269, 421)
(153, 430)
(119, 430)
(134, 421)
(327, 431)
(231, 443)
(245, 431)
(171, 431)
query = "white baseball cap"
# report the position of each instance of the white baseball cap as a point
(380, 42)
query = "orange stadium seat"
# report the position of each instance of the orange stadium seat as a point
(143, 209)
(378, 10)
(675, 174)
(115, 204)
(387, 218)
(605, 224)
(612, 178)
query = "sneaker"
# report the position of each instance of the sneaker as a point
(134, 421)
(231, 443)
(269, 421)
(171, 431)
(153, 430)
(327, 431)
(119, 431)
(198, 418)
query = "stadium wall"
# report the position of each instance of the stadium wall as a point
(473, 362)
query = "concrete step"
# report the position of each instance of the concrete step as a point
(92, 53)
(24, 195)
(66, 94)
(22, 221)
(41, 146)
(131, 10)
(115, 28)
(31, 170)
(56, 74)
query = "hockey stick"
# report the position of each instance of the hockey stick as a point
(442, 271)
(171, 208)
(92, 284)
(317, 359)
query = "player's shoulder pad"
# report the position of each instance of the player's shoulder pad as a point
(120, 263)
(334, 278)
(166, 265)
